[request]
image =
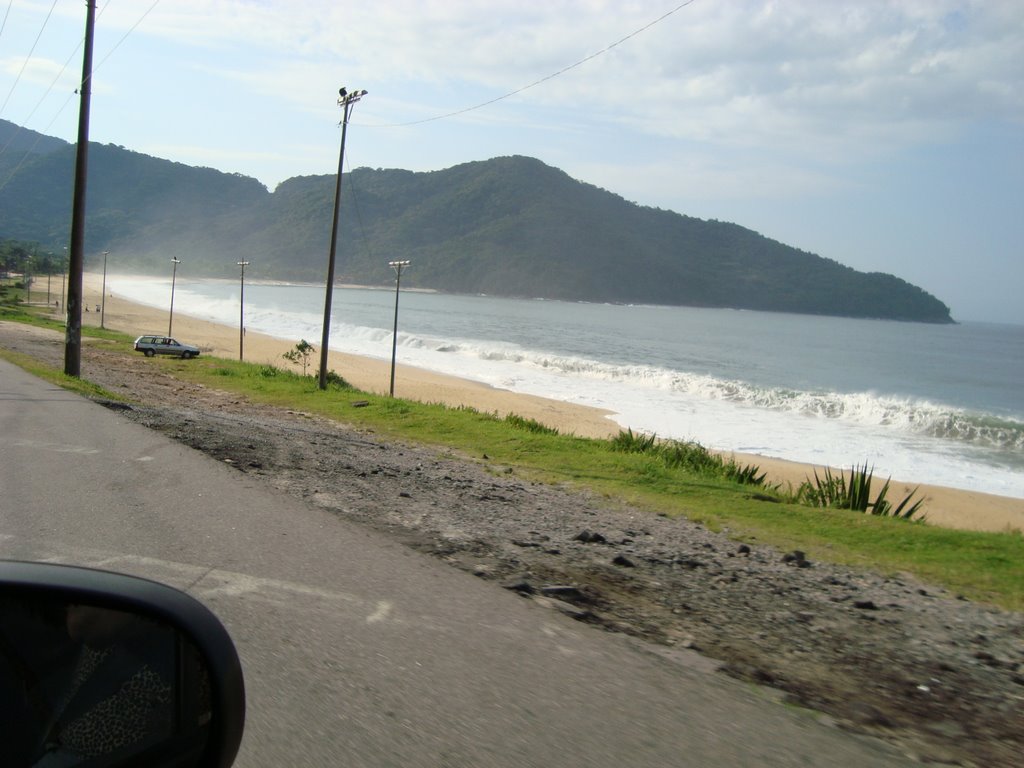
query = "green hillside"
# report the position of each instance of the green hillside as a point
(509, 226)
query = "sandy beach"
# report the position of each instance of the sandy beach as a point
(949, 507)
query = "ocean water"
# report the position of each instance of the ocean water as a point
(922, 403)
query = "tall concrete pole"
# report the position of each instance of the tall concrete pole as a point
(241, 310)
(346, 101)
(174, 276)
(103, 295)
(397, 266)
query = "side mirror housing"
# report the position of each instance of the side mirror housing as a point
(103, 669)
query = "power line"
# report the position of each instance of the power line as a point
(543, 79)
(68, 61)
(124, 37)
(42, 99)
(70, 95)
(6, 14)
(28, 57)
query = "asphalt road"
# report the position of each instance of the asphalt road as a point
(356, 650)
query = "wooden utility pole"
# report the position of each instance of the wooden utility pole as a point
(73, 325)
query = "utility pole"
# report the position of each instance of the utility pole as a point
(174, 274)
(241, 310)
(397, 266)
(103, 296)
(26, 279)
(73, 324)
(346, 101)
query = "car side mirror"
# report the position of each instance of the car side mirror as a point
(102, 669)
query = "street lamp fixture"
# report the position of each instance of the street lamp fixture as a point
(398, 266)
(241, 309)
(103, 295)
(346, 101)
(174, 276)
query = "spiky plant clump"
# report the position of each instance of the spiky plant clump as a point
(746, 474)
(838, 492)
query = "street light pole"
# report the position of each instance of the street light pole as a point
(30, 264)
(397, 266)
(241, 309)
(26, 279)
(346, 101)
(103, 296)
(174, 276)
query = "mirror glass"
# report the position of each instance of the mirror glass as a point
(88, 685)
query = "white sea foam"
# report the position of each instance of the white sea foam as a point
(910, 438)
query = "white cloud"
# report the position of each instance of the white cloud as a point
(808, 76)
(40, 71)
(837, 82)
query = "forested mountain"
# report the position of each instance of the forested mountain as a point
(508, 226)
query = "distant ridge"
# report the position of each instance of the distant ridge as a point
(17, 140)
(509, 226)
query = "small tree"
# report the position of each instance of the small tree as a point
(301, 354)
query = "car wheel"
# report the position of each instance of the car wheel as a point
(149, 353)
(186, 355)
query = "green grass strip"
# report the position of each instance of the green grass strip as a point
(982, 566)
(54, 376)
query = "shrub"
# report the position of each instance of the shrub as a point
(335, 381)
(300, 354)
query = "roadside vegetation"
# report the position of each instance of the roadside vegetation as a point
(665, 477)
(832, 518)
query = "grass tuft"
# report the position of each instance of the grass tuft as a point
(529, 425)
(688, 457)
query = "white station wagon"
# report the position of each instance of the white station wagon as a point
(164, 345)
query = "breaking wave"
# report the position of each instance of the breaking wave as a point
(916, 417)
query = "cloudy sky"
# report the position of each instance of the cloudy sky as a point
(888, 136)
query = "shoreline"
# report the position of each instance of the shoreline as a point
(948, 507)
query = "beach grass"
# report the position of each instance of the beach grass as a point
(978, 565)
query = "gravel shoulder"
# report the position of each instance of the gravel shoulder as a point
(941, 676)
